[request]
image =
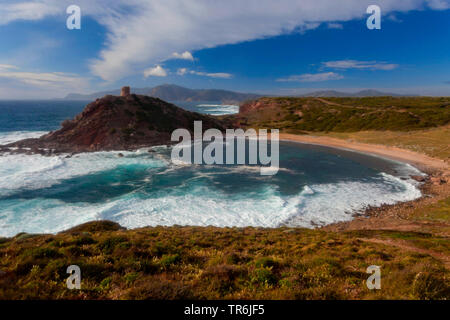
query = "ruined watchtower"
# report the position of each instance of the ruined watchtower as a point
(125, 91)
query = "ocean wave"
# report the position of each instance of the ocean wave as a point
(219, 109)
(191, 198)
(324, 204)
(28, 172)
(13, 136)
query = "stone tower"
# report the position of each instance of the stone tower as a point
(125, 91)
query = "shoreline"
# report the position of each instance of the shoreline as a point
(392, 217)
(374, 217)
(417, 159)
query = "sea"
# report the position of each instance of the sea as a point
(314, 186)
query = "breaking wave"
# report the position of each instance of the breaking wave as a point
(41, 194)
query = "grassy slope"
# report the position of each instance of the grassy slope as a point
(252, 263)
(418, 124)
(217, 263)
(349, 114)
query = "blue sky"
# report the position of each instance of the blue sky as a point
(274, 47)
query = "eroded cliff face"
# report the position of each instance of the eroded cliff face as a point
(119, 123)
(259, 105)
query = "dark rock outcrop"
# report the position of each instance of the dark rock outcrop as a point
(118, 123)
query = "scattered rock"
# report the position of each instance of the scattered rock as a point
(419, 178)
(120, 155)
(438, 181)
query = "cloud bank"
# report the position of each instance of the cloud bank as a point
(312, 77)
(44, 79)
(142, 33)
(353, 64)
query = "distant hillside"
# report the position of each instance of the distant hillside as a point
(170, 92)
(344, 114)
(359, 94)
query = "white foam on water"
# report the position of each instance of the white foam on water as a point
(324, 204)
(43, 216)
(316, 204)
(13, 136)
(30, 172)
(201, 207)
(219, 109)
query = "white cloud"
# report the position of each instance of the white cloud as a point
(182, 71)
(7, 67)
(159, 28)
(312, 77)
(157, 71)
(17, 84)
(354, 64)
(394, 18)
(335, 26)
(29, 10)
(143, 32)
(439, 4)
(42, 79)
(221, 75)
(183, 56)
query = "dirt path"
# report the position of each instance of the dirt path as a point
(373, 110)
(330, 103)
(405, 246)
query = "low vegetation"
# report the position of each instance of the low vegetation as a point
(346, 114)
(218, 263)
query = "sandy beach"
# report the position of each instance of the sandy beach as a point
(420, 160)
(399, 216)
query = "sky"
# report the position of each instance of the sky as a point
(281, 47)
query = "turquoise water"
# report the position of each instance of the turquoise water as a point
(314, 186)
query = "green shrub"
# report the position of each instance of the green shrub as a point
(167, 261)
(264, 276)
(431, 286)
(108, 245)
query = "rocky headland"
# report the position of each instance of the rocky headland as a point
(125, 122)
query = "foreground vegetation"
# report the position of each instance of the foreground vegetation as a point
(219, 263)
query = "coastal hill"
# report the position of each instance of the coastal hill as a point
(119, 123)
(312, 114)
(340, 94)
(171, 92)
(132, 121)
